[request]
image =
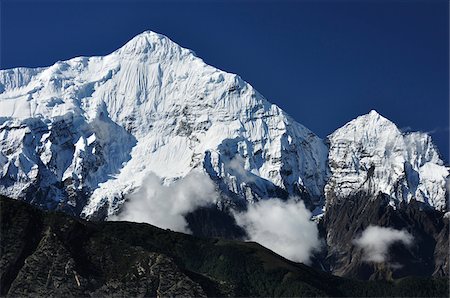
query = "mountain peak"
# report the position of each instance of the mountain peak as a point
(147, 39)
(151, 43)
(373, 113)
(374, 124)
(372, 148)
(150, 106)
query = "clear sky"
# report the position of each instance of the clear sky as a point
(324, 62)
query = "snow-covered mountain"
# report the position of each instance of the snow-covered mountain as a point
(370, 153)
(83, 133)
(382, 177)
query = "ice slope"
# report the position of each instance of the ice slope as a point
(372, 154)
(83, 133)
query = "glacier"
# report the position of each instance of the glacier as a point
(82, 134)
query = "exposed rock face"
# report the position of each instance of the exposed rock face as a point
(51, 271)
(347, 218)
(442, 250)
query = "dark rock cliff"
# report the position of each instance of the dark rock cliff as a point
(345, 219)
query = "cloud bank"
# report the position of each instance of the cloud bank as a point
(375, 242)
(166, 206)
(284, 227)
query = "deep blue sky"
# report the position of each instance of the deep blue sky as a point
(324, 62)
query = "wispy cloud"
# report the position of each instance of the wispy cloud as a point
(437, 130)
(236, 166)
(375, 242)
(406, 129)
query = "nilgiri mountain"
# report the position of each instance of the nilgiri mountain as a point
(84, 133)
(82, 136)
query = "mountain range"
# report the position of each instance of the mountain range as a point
(87, 135)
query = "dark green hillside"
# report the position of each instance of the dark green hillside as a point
(52, 254)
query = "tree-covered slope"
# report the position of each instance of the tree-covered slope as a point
(52, 254)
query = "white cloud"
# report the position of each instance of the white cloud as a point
(166, 206)
(375, 242)
(284, 227)
(237, 167)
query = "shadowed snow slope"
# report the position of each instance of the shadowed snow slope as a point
(83, 133)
